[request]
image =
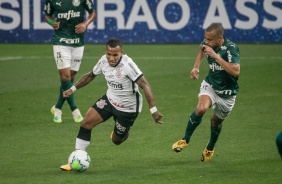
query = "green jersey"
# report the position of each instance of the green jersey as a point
(222, 82)
(69, 13)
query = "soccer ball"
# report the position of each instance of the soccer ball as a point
(79, 160)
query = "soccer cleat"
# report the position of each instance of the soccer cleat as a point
(77, 116)
(207, 155)
(53, 109)
(179, 145)
(66, 167)
(57, 114)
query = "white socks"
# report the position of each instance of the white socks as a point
(81, 144)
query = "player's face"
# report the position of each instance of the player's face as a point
(113, 55)
(212, 40)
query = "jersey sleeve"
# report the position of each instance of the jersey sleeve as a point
(132, 70)
(48, 10)
(98, 67)
(89, 6)
(233, 53)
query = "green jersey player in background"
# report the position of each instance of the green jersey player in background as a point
(67, 17)
(218, 90)
(279, 142)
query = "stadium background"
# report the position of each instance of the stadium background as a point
(154, 21)
(33, 147)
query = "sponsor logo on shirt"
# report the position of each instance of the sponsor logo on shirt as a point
(115, 85)
(223, 92)
(215, 66)
(116, 104)
(69, 14)
(70, 41)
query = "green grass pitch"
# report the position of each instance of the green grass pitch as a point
(32, 147)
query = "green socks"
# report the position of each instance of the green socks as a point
(215, 131)
(193, 122)
(61, 100)
(65, 85)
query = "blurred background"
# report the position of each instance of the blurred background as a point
(162, 37)
(151, 21)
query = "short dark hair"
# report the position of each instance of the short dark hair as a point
(217, 27)
(114, 42)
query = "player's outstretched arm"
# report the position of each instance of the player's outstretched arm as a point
(143, 83)
(194, 74)
(83, 81)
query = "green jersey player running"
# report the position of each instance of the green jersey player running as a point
(218, 90)
(67, 19)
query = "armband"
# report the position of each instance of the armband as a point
(73, 88)
(50, 22)
(153, 110)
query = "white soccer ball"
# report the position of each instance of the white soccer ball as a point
(79, 160)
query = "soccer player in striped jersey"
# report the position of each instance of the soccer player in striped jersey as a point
(218, 90)
(67, 19)
(122, 100)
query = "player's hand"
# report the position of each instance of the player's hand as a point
(80, 28)
(56, 24)
(67, 93)
(194, 74)
(209, 51)
(157, 117)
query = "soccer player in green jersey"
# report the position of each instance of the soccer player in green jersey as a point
(279, 143)
(218, 90)
(67, 19)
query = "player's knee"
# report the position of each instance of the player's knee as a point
(73, 73)
(216, 121)
(201, 110)
(86, 124)
(65, 75)
(116, 142)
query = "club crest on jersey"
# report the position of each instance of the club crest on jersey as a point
(75, 2)
(101, 103)
(118, 73)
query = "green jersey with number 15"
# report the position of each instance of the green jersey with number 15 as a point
(222, 82)
(69, 13)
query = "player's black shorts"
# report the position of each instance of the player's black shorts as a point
(123, 120)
